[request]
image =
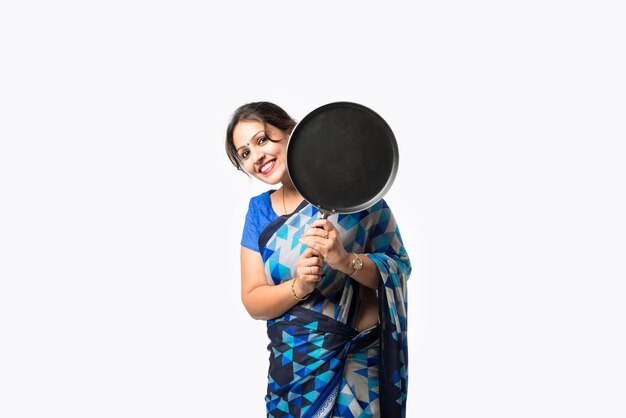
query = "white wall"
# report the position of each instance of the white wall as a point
(121, 216)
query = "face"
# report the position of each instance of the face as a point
(260, 157)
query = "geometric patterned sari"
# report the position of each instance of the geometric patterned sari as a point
(320, 365)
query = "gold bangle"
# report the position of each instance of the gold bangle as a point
(293, 291)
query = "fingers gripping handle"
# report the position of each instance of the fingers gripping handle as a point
(324, 214)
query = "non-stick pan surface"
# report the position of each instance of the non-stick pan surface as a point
(342, 157)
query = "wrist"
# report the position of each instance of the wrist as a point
(345, 266)
(301, 290)
(354, 263)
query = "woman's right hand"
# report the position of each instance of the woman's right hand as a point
(309, 270)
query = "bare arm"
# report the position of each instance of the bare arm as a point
(265, 301)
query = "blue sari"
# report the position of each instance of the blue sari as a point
(320, 365)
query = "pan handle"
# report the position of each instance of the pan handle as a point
(324, 214)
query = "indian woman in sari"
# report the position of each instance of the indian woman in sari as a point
(333, 291)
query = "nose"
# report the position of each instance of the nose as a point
(257, 155)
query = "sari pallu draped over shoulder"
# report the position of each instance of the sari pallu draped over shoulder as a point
(320, 365)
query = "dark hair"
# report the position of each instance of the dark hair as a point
(264, 112)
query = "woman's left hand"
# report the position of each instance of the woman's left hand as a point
(324, 238)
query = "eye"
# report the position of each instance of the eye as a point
(262, 140)
(244, 154)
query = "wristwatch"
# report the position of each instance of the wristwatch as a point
(357, 264)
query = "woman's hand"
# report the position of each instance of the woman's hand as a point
(324, 238)
(309, 269)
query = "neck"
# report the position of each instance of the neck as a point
(290, 197)
(290, 190)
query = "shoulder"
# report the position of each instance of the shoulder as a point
(378, 213)
(365, 217)
(258, 217)
(261, 200)
(261, 197)
(260, 209)
(380, 206)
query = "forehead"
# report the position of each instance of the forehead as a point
(245, 130)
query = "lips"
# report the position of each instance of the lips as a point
(267, 167)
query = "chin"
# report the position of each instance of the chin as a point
(271, 180)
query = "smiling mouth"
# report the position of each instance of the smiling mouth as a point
(267, 167)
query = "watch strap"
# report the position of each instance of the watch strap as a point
(353, 264)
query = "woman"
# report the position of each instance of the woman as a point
(333, 291)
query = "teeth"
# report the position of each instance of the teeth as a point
(266, 166)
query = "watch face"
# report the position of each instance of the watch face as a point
(357, 263)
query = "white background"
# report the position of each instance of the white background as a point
(121, 215)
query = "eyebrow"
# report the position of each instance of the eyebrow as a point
(253, 136)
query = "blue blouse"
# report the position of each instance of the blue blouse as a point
(260, 215)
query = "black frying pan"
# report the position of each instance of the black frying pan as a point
(342, 157)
